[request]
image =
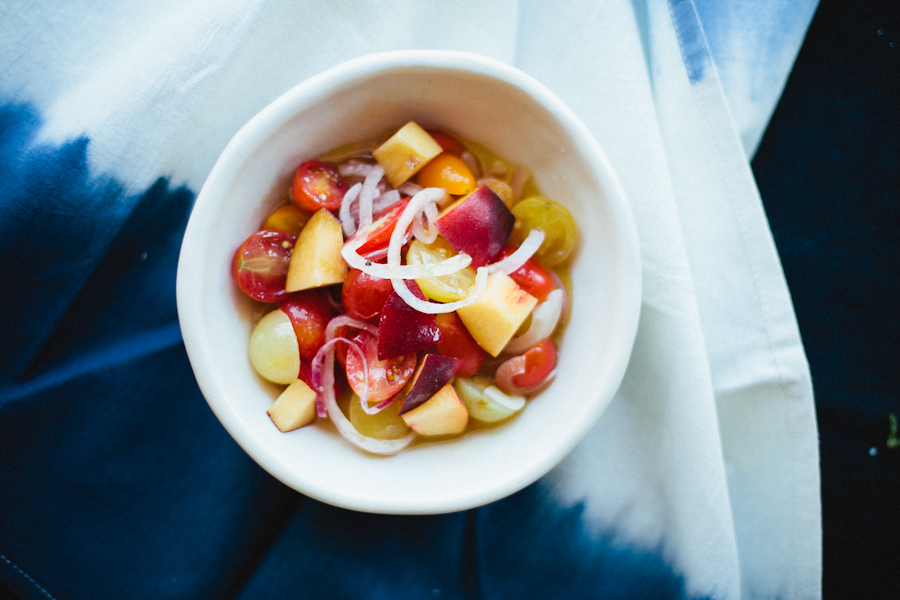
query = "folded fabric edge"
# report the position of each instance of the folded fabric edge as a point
(710, 140)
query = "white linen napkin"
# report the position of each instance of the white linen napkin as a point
(709, 451)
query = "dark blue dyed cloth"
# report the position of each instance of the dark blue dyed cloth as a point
(829, 174)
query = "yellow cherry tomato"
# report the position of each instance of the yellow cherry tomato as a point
(289, 218)
(446, 288)
(384, 425)
(501, 188)
(447, 171)
(538, 212)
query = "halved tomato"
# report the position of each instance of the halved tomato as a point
(260, 265)
(364, 296)
(527, 372)
(456, 341)
(318, 185)
(309, 312)
(386, 377)
(375, 246)
(531, 277)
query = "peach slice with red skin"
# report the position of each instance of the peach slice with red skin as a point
(433, 373)
(478, 224)
(404, 330)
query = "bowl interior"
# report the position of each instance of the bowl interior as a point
(480, 100)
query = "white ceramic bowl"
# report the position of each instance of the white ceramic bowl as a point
(479, 99)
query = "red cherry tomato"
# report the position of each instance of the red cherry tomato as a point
(318, 185)
(364, 296)
(456, 341)
(539, 362)
(386, 377)
(309, 311)
(531, 277)
(260, 265)
(447, 143)
(382, 227)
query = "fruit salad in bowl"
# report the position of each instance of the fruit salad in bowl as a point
(383, 292)
(411, 263)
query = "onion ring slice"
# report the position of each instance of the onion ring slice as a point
(518, 258)
(348, 223)
(346, 428)
(367, 195)
(544, 319)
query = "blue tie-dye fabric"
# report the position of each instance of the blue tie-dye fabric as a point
(117, 481)
(87, 402)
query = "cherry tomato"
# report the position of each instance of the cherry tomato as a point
(554, 219)
(363, 295)
(447, 171)
(382, 227)
(456, 341)
(309, 311)
(539, 362)
(384, 425)
(260, 265)
(499, 187)
(318, 185)
(447, 143)
(446, 288)
(288, 218)
(386, 377)
(531, 277)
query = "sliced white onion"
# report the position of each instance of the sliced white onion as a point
(398, 271)
(518, 181)
(544, 319)
(410, 189)
(435, 308)
(346, 428)
(348, 222)
(320, 370)
(367, 195)
(565, 295)
(423, 223)
(471, 162)
(347, 321)
(388, 198)
(374, 410)
(417, 203)
(331, 331)
(395, 270)
(516, 366)
(323, 384)
(518, 258)
(354, 168)
(431, 213)
(512, 403)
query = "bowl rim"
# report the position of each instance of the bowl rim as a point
(274, 115)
